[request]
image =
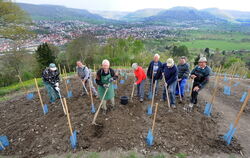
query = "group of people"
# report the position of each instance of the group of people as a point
(174, 78)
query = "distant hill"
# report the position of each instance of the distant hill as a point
(232, 15)
(115, 15)
(55, 12)
(184, 15)
(139, 14)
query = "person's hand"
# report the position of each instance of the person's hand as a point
(193, 76)
(135, 83)
(179, 80)
(196, 88)
(84, 81)
(111, 80)
(57, 89)
(106, 86)
(166, 85)
(56, 84)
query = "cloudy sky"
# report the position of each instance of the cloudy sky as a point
(132, 5)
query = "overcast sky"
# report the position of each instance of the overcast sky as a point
(132, 5)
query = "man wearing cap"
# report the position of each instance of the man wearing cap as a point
(141, 78)
(153, 69)
(85, 75)
(51, 80)
(170, 74)
(104, 78)
(200, 74)
(183, 73)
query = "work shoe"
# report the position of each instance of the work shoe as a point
(141, 100)
(173, 106)
(104, 112)
(190, 107)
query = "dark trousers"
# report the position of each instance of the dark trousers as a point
(194, 94)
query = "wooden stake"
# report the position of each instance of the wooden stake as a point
(60, 71)
(22, 84)
(242, 109)
(68, 117)
(38, 91)
(216, 84)
(156, 109)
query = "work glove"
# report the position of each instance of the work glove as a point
(57, 89)
(111, 80)
(106, 86)
(56, 84)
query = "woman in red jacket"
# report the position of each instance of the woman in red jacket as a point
(141, 78)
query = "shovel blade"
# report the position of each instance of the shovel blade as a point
(70, 94)
(122, 81)
(30, 96)
(229, 135)
(45, 109)
(68, 81)
(92, 108)
(4, 142)
(150, 110)
(150, 138)
(243, 97)
(115, 86)
(73, 140)
(227, 90)
(208, 109)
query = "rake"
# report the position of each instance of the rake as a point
(44, 106)
(91, 97)
(98, 110)
(232, 129)
(209, 106)
(73, 137)
(150, 107)
(29, 95)
(4, 142)
(150, 136)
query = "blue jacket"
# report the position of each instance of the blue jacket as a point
(170, 74)
(150, 69)
(202, 76)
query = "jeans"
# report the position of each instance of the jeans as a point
(52, 93)
(171, 89)
(152, 86)
(140, 89)
(182, 84)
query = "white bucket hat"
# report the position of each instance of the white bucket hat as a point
(170, 62)
(203, 59)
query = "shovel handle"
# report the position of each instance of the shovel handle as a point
(132, 94)
(166, 88)
(98, 110)
(179, 90)
(156, 109)
(242, 109)
(90, 91)
(83, 84)
(39, 94)
(20, 79)
(153, 95)
(68, 117)
(191, 86)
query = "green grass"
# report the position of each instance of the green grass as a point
(181, 155)
(18, 86)
(221, 44)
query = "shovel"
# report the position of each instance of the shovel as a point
(91, 97)
(69, 93)
(179, 89)
(98, 110)
(209, 106)
(4, 142)
(150, 107)
(132, 94)
(232, 129)
(150, 136)
(84, 87)
(59, 93)
(151, 88)
(243, 97)
(166, 88)
(44, 106)
(73, 137)
(29, 95)
(227, 89)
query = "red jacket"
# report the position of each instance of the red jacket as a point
(139, 74)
